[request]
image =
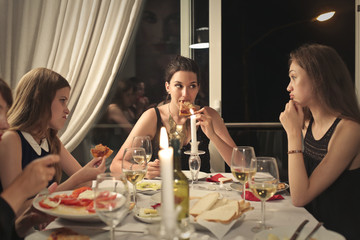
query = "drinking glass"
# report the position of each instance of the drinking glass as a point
(144, 142)
(264, 185)
(194, 166)
(243, 165)
(111, 201)
(134, 166)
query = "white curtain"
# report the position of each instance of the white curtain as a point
(83, 40)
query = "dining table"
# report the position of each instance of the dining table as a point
(278, 213)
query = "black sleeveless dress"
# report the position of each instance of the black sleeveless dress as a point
(203, 145)
(338, 206)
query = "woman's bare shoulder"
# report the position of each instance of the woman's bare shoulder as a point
(10, 136)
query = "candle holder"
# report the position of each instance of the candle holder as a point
(196, 151)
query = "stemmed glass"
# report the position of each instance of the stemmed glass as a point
(134, 166)
(111, 201)
(264, 185)
(243, 165)
(194, 166)
(144, 142)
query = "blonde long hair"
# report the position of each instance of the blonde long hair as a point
(31, 110)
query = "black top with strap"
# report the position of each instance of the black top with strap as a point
(203, 145)
(338, 205)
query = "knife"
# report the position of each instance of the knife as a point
(298, 230)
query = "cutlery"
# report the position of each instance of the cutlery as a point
(298, 230)
(314, 230)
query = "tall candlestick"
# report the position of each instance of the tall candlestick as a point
(167, 178)
(194, 144)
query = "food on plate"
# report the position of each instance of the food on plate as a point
(66, 234)
(101, 151)
(204, 203)
(80, 201)
(213, 209)
(148, 186)
(185, 107)
(148, 212)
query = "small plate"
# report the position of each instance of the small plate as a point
(286, 186)
(202, 175)
(202, 228)
(148, 187)
(287, 231)
(147, 219)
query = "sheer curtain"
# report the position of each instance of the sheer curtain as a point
(83, 40)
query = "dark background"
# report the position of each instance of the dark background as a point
(254, 84)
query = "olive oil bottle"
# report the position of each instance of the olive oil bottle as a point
(181, 186)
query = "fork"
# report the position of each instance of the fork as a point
(314, 230)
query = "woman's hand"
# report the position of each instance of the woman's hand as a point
(94, 167)
(292, 118)
(205, 121)
(153, 169)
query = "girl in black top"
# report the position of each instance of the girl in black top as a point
(324, 173)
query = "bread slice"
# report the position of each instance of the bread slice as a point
(223, 214)
(204, 203)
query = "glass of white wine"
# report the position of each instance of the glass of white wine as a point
(144, 142)
(264, 185)
(134, 166)
(243, 165)
(111, 200)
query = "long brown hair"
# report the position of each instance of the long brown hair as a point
(31, 111)
(331, 80)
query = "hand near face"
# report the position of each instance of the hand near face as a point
(292, 118)
(153, 169)
(205, 121)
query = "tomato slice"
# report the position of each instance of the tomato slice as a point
(44, 205)
(78, 191)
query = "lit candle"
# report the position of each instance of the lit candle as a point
(194, 145)
(167, 178)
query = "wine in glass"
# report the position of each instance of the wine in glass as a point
(243, 165)
(144, 142)
(111, 200)
(134, 166)
(264, 185)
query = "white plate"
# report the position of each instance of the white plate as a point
(287, 231)
(202, 175)
(149, 191)
(85, 217)
(147, 219)
(94, 234)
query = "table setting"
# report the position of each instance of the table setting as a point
(184, 204)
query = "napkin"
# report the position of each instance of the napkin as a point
(218, 229)
(215, 178)
(251, 197)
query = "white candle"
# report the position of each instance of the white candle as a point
(167, 178)
(194, 144)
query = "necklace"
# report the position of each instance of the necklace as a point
(177, 130)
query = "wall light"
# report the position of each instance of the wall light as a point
(202, 38)
(325, 16)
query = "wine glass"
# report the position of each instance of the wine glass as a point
(144, 142)
(194, 166)
(134, 166)
(264, 185)
(111, 201)
(243, 165)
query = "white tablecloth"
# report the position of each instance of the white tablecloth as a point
(278, 213)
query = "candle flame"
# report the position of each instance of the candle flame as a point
(164, 141)
(192, 111)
